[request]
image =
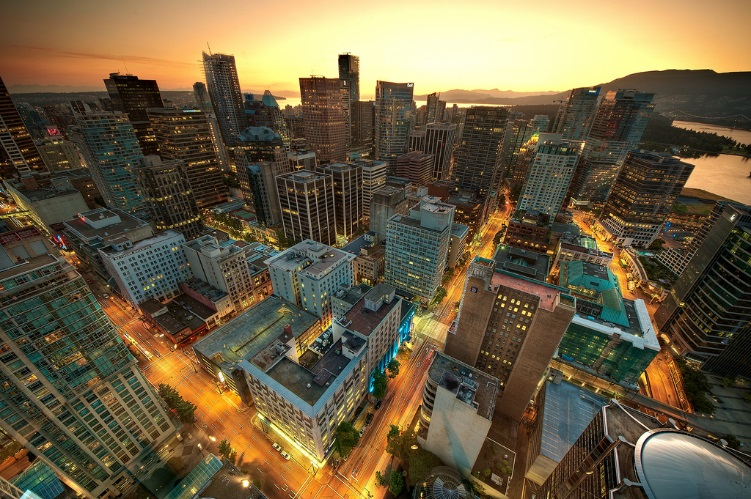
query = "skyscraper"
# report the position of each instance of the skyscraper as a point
(439, 141)
(226, 98)
(72, 393)
(393, 119)
(133, 96)
(348, 205)
(436, 109)
(201, 97)
(617, 128)
(374, 175)
(415, 166)
(324, 119)
(576, 113)
(18, 155)
(185, 134)
(307, 202)
(258, 182)
(417, 247)
(363, 122)
(509, 327)
(110, 146)
(706, 315)
(349, 75)
(168, 197)
(549, 174)
(478, 156)
(643, 196)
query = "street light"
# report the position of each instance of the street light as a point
(246, 483)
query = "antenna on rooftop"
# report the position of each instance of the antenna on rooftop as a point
(126, 67)
(209, 46)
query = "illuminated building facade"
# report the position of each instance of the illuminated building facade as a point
(168, 196)
(71, 392)
(642, 197)
(133, 96)
(393, 119)
(18, 154)
(324, 118)
(307, 203)
(577, 113)
(224, 91)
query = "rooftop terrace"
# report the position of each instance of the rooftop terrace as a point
(471, 386)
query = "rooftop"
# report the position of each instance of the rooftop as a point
(568, 409)
(248, 333)
(259, 134)
(352, 294)
(548, 294)
(198, 478)
(596, 284)
(205, 289)
(470, 385)
(522, 262)
(459, 230)
(362, 319)
(315, 259)
(102, 223)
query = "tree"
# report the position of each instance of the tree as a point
(169, 394)
(346, 438)
(185, 411)
(393, 368)
(379, 384)
(394, 441)
(396, 482)
(486, 473)
(225, 448)
(505, 468)
(420, 462)
(657, 245)
(381, 480)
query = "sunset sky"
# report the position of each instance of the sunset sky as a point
(472, 44)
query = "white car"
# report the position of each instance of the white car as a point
(276, 446)
(285, 455)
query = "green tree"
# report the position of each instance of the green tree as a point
(225, 448)
(394, 441)
(185, 411)
(396, 482)
(379, 385)
(420, 462)
(169, 394)
(657, 245)
(346, 438)
(393, 368)
(505, 468)
(381, 480)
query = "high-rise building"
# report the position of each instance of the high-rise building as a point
(226, 98)
(626, 454)
(201, 97)
(439, 141)
(549, 175)
(576, 113)
(307, 203)
(706, 313)
(386, 202)
(226, 267)
(150, 268)
(18, 154)
(349, 75)
(609, 336)
(258, 182)
(72, 393)
(509, 327)
(415, 166)
(374, 175)
(463, 399)
(363, 123)
(417, 247)
(96, 229)
(478, 155)
(393, 119)
(617, 128)
(643, 196)
(518, 133)
(110, 146)
(324, 119)
(348, 202)
(59, 154)
(436, 109)
(308, 274)
(133, 96)
(168, 197)
(185, 135)
(266, 112)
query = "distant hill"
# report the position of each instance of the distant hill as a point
(458, 95)
(697, 92)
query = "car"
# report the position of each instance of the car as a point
(369, 418)
(285, 455)
(276, 446)
(378, 404)
(362, 430)
(106, 295)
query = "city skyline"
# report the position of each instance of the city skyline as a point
(34, 59)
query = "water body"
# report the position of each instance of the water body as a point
(725, 175)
